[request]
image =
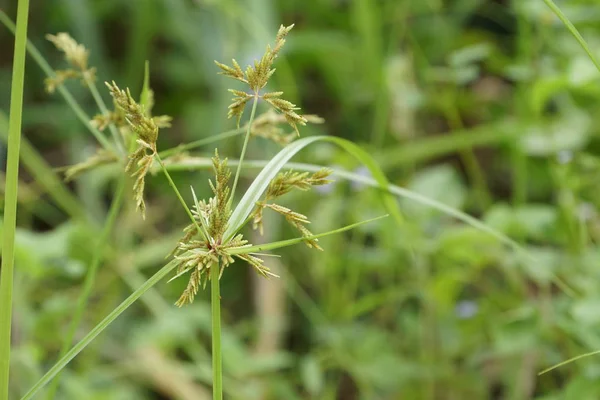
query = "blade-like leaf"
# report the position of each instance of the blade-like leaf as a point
(98, 329)
(261, 182)
(290, 242)
(573, 31)
(190, 164)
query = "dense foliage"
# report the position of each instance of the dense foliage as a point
(488, 107)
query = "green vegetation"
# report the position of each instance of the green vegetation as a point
(470, 124)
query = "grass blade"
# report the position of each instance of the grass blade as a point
(290, 242)
(10, 190)
(90, 276)
(570, 360)
(261, 182)
(573, 31)
(350, 176)
(98, 329)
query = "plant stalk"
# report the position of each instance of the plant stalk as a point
(246, 139)
(10, 199)
(217, 359)
(181, 200)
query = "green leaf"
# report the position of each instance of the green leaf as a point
(260, 184)
(573, 31)
(98, 329)
(10, 194)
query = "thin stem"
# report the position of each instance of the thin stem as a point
(573, 31)
(187, 209)
(104, 110)
(201, 142)
(39, 59)
(90, 278)
(239, 168)
(217, 361)
(10, 199)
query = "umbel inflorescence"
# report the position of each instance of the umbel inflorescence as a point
(256, 77)
(204, 245)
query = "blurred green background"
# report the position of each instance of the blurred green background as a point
(490, 107)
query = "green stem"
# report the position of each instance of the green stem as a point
(573, 31)
(217, 360)
(90, 278)
(104, 110)
(246, 139)
(201, 142)
(10, 199)
(39, 59)
(181, 200)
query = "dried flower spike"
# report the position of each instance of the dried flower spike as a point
(76, 55)
(256, 77)
(282, 184)
(146, 130)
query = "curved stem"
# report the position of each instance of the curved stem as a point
(187, 209)
(10, 200)
(104, 110)
(89, 278)
(217, 360)
(239, 168)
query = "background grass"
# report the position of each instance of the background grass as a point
(490, 107)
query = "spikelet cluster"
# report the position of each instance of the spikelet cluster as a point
(146, 132)
(76, 55)
(198, 252)
(256, 77)
(282, 184)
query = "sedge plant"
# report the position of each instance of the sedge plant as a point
(213, 240)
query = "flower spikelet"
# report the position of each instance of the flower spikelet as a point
(287, 108)
(219, 205)
(144, 126)
(298, 221)
(257, 76)
(76, 55)
(282, 184)
(146, 130)
(238, 103)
